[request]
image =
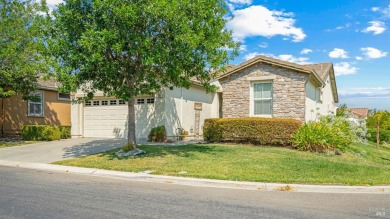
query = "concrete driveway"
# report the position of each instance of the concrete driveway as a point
(48, 152)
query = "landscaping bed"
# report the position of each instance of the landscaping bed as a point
(359, 165)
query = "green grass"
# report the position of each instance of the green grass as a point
(360, 165)
(12, 144)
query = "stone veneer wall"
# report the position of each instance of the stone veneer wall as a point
(288, 92)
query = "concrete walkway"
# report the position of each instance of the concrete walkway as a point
(48, 152)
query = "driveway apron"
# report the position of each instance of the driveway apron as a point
(48, 152)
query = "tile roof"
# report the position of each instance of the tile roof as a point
(363, 112)
(49, 83)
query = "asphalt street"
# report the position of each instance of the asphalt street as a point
(26, 193)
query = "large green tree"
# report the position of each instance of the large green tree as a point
(22, 46)
(130, 47)
(380, 121)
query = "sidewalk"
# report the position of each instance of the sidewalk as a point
(145, 177)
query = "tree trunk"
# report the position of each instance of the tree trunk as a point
(377, 133)
(131, 123)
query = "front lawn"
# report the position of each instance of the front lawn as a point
(360, 165)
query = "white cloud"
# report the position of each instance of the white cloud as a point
(384, 11)
(283, 57)
(358, 58)
(263, 45)
(232, 4)
(377, 27)
(257, 20)
(242, 2)
(344, 68)
(373, 53)
(243, 48)
(338, 54)
(375, 9)
(365, 92)
(306, 51)
(251, 55)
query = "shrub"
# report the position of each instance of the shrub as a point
(45, 132)
(65, 132)
(384, 135)
(263, 131)
(330, 133)
(158, 134)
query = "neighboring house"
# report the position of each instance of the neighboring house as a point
(260, 87)
(359, 112)
(51, 108)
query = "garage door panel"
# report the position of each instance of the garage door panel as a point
(111, 121)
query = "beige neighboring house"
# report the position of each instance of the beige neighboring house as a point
(260, 87)
(268, 87)
(52, 108)
(359, 112)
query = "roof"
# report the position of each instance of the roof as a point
(322, 69)
(319, 71)
(49, 84)
(272, 61)
(362, 112)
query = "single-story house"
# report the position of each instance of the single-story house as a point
(359, 112)
(51, 108)
(259, 87)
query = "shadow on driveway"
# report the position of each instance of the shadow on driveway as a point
(92, 147)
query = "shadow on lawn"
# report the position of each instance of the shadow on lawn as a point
(162, 151)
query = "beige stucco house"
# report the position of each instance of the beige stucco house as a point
(51, 108)
(261, 87)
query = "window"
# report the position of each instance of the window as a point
(104, 102)
(140, 101)
(122, 102)
(88, 103)
(112, 102)
(150, 100)
(64, 96)
(261, 99)
(35, 107)
(96, 103)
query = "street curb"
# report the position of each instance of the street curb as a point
(145, 177)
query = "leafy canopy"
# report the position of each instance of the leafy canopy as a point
(22, 47)
(130, 47)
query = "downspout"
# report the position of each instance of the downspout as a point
(181, 106)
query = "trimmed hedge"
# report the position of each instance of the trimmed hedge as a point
(262, 131)
(45, 132)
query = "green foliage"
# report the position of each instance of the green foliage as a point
(127, 147)
(23, 52)
(384, 135)
(45, 132)
(158, 134)
(381, 120)
(130, 48)
(330, 133)
(342, 110)
(263, 131)
(65, 132)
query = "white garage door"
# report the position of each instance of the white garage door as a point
(108, 118)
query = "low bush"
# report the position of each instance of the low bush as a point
(329, 133)
(263, 131)
(65, 132)
(158, 134)
(45, 132)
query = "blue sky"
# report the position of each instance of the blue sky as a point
(352, 34)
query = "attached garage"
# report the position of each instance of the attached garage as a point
(107, 118)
